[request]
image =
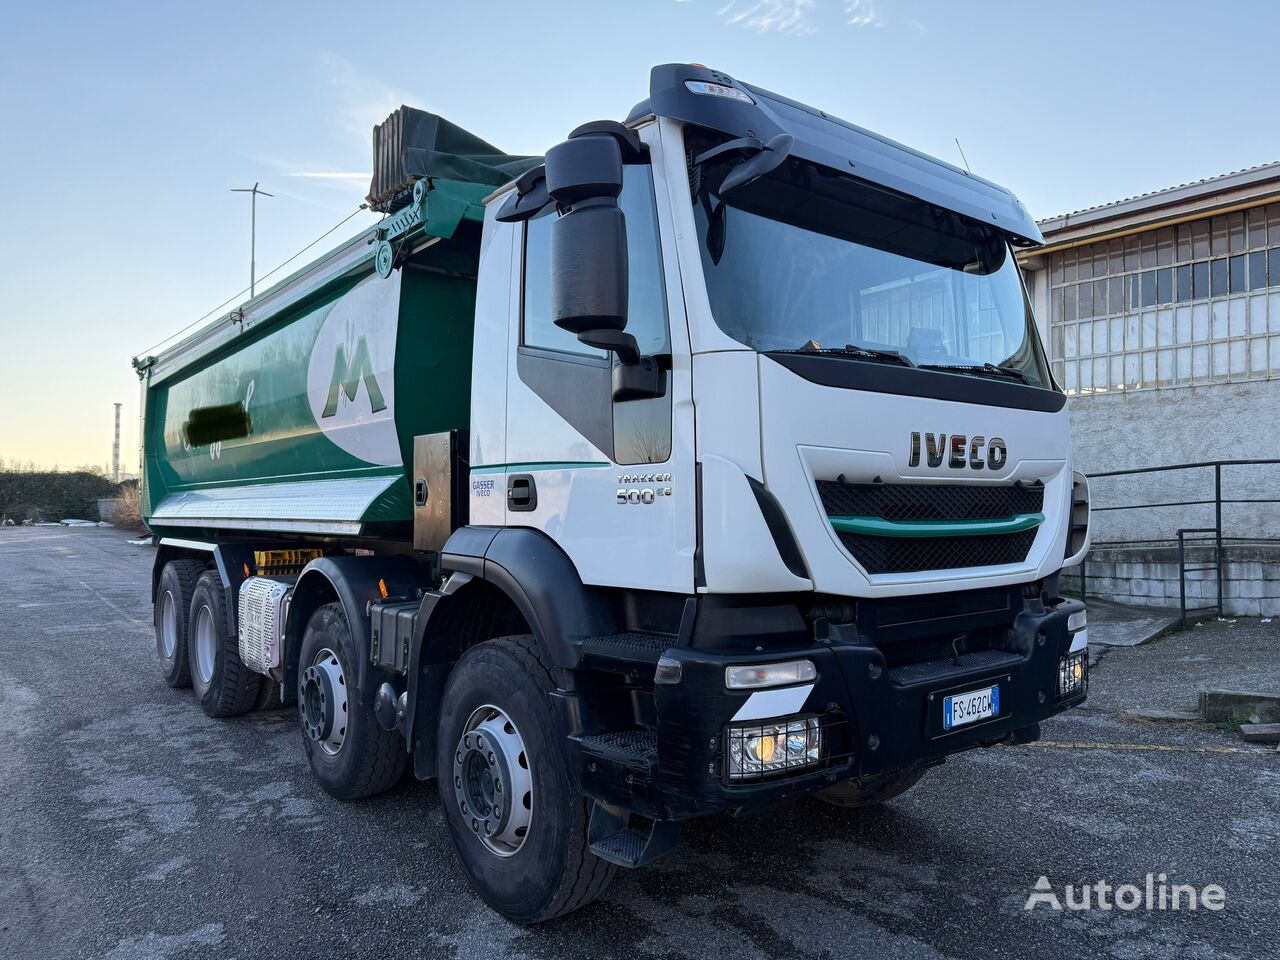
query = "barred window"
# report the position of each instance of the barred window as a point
(1198, 302)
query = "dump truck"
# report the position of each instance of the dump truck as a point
(710, 461)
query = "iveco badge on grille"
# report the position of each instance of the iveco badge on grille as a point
(958, 451)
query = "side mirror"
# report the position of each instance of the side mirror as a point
(589, 239)
(589, 274)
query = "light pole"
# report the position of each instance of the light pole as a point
(115, 449)
(254, 193)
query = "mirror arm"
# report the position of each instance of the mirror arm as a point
(618, 341)
(749, 145)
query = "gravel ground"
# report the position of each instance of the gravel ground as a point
(1169, 673)
(132, 826)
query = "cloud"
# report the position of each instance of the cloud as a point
(796, 17)
(359, 101)
(863, 13)
(771, 16)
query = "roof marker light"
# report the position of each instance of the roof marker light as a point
(716, 90)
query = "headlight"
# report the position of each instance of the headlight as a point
(1073, 673)
(1077, 621)
(757, 750)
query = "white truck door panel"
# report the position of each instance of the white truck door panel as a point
(614, 482)
(497, 293)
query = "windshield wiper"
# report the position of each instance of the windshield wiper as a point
(853, 350)
(984, 370)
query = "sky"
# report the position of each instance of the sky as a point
(125, 126)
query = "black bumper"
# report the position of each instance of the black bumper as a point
(875, 717)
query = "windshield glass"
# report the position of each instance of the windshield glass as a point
(808, 259)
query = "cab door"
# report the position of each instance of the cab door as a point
(612, 482)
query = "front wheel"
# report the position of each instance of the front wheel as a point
(517, 821)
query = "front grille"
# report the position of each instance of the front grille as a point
(908, 555)
(933, 502)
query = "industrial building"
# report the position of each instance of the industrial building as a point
(1161, 315)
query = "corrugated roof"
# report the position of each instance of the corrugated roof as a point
(1157, 198)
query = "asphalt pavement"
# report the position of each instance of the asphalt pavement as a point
(132, 826)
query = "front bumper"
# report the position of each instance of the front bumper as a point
(876, 718)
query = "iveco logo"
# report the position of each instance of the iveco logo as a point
(958, 451)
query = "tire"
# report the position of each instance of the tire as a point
(367, 759)
(223, 685)
(551, 871)
(870, 791)
(172, 607)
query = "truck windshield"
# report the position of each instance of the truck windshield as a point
(810, 260)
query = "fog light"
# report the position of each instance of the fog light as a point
(757, 750)
(1073, 673)
(757, 676)
(1077, 621)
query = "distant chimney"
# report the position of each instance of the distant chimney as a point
(115, 449)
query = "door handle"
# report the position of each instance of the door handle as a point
(522, 492)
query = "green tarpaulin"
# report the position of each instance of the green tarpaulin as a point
(412, 144)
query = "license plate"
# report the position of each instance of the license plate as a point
(970, 707)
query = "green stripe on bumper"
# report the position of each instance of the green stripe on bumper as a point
(880, 527)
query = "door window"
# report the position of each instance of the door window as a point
(646, 296)
(640, 430)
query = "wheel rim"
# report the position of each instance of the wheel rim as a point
(492, 781)
(206, 636)
(168, 626)
(322, 701)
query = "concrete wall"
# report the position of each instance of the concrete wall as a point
(1149, 577)
(1142, 428)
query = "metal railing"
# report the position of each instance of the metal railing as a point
(1185, 536)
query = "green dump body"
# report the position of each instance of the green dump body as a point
(297, 414)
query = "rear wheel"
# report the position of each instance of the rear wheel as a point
(173, 604)
(224, 686)
(870, 791)
(349, 753)
(518, 821)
